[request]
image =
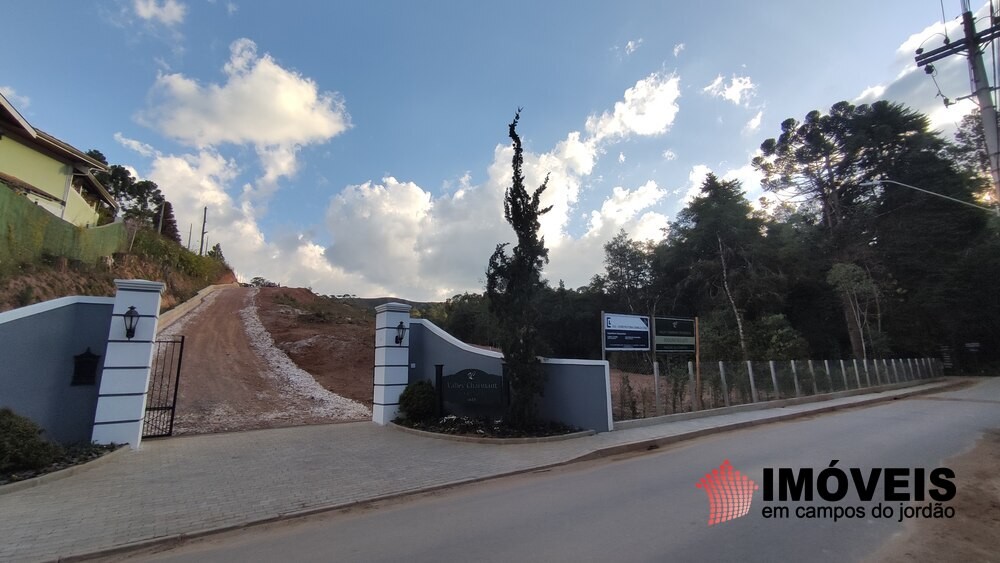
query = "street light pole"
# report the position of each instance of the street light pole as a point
(995, 210)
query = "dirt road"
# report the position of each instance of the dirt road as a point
(234, 378)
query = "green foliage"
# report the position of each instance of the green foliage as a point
(21, 444)
(215, 253)
(773, 338)
(137, 199)
(262, 282)
(418, 402)
(968, 150)
(168, 227)
(148, 243)
(513, 283)
(628, 267)
(468, 317)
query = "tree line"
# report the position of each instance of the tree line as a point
(833, 265)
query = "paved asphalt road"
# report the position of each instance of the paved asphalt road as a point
(641, 507)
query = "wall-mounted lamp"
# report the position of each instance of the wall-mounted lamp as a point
(400, 332)
(131, 319)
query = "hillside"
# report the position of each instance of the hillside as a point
(153, 258)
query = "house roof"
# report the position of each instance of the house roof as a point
(9, 109)
(81, 162)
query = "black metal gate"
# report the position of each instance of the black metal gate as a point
(161, 399)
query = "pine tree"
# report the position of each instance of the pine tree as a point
(169, 227)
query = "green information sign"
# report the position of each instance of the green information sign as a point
(674, 334)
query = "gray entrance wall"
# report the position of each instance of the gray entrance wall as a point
(577, 392)
(430, 345)
(37, 345)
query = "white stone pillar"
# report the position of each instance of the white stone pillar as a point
(121, 400)
(392, 360)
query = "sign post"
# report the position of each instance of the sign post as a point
(624, 333)
(676, 335)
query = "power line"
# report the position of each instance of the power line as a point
(970, 45)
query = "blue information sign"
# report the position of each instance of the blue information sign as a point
(626, 332)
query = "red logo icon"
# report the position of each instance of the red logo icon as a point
(729, 493)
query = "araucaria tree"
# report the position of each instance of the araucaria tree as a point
(512, 283)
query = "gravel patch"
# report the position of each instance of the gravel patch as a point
(296, 384)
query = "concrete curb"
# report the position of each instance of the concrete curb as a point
(495, 441)
(62, 473)
(173, 315)
(653, 443)
(777, 403)
(639, 445)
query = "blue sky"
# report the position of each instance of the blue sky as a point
(361, 147)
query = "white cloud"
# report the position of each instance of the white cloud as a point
(134, 145)
(168, 12)
(931, 37)
(278, 161)
(623, 205)
(754, 124)
(870, 94)
(632, 46)
(677, 49)
(695, 179)
(260, 103)
(739, 90)
(192, 182)
(648, 108)
(376, 228)
(749, 179)
(438, 244)
(393, 236)
(913, 88)
(20, 102)
(621, 158)
(276, 112)
(579, 259)
(669, 155)
(231, 8)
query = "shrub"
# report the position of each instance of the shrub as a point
(21, 444)
(418, 401)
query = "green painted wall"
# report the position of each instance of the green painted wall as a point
(27, 232)
(25, 163)
(78, 211)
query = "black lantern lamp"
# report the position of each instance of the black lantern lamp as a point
(131, 319)
(400, 332)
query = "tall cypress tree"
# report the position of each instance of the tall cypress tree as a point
(512, 283)
(169, 227)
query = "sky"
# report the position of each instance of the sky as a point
(361, 147)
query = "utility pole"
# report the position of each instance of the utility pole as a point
(970, 44)
(163, 207)
(204, 219)
(190, 230)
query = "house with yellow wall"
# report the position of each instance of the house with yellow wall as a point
(52, 173)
